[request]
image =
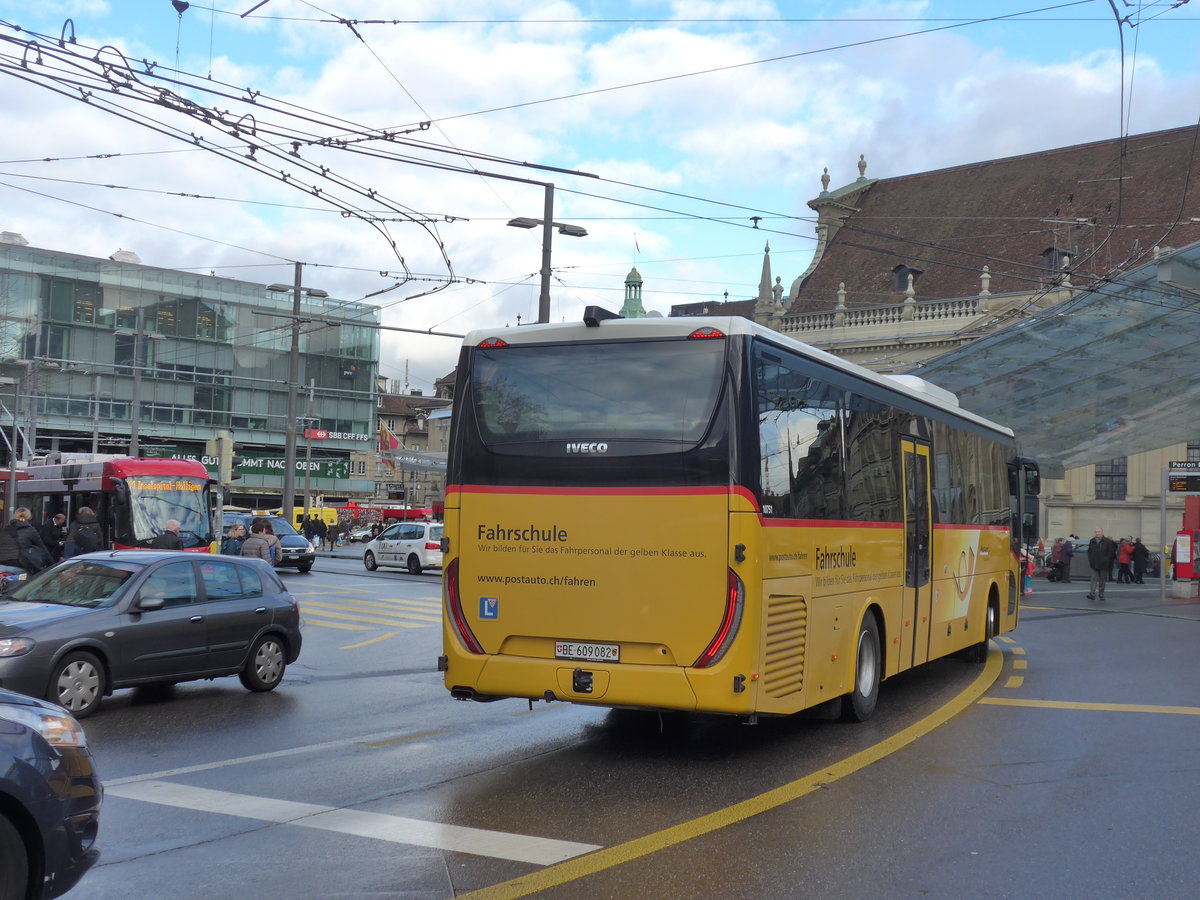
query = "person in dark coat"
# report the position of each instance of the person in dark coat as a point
(1101, 554)
(1064, 555)
(169, 539)
(21, 546)
(1141, 561)
(84, 535)
(54, 536)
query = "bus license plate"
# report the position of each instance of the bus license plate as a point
(588, 652)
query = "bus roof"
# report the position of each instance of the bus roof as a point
(659, 327)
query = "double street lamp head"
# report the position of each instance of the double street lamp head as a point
(563, 228)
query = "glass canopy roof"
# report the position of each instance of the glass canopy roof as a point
(1111, 372)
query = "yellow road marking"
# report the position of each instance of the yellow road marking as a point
(369, 641)
(1006, 640)
(610, 857)
(1094, 707)
(384, 611)
(1018, 651)
(404, 739)
(320, 623)
(385, 605)
(1014, 681)
(338, 614)
(1020, 664)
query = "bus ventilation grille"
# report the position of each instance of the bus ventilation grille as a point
(787, 634)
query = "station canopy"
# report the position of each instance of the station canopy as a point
(1114, 371)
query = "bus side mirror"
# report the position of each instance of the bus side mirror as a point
(1033, 482)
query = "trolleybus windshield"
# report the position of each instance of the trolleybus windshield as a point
(156, 499)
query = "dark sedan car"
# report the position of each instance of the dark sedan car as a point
(49, 800)
(104, 621)
(297, 550)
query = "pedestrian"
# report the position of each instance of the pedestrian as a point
(256, 544)
(1055, 573)
(268, 535)
(1141, 561)
(84, 535)
(1065, 555)
(21, 546)
(54, 536)
(332, 534)
(169, 539)
(1027, 566)
(1100, 558)
(318, 531)
(231, 544)
(1124, 561)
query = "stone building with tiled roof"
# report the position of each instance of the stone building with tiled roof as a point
(1080, 212)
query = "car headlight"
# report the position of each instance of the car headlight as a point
(15, 646)
(59, 729)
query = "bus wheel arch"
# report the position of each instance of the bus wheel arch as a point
(867, 671)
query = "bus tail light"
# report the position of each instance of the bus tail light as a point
(454, 607)
(735, 601)
(492, 343)
(705, 333)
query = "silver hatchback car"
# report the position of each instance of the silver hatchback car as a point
(409, 545)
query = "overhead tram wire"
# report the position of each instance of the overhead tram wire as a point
(325, 142)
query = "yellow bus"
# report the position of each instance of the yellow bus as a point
(703, 514)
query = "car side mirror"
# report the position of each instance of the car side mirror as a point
(150, 603)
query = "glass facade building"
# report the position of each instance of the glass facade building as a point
(90, 345)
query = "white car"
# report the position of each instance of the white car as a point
(410, 545)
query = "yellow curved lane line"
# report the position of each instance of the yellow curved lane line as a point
(609, 857)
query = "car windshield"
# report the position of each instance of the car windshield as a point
(279, 525)
(88, 583)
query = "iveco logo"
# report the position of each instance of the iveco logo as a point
(600, 447)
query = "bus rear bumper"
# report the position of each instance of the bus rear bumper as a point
(662, 687)
(635, 686)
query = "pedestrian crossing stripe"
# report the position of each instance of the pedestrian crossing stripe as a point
(383, 605)
(322, 623)
(359, 823)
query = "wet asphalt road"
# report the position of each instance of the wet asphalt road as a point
(1073, 775)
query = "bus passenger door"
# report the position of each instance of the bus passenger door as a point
(918, 552)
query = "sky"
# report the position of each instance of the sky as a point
(386, 144)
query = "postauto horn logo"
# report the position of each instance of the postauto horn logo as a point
(584, 447)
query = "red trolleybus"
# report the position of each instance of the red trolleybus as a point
(133, 498)
(703, 514)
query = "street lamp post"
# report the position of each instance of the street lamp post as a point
(548, 225)
(10, 500)
(288, 504)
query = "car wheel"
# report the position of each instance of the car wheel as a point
(414, 564)
(860, 702)
(77, 684)
(369, 561)
(264, 669)
(14, 862)
(305, 567)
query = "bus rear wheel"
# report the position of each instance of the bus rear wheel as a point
(979, 652)
(858, 705)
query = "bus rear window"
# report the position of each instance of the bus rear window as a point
(645, 391)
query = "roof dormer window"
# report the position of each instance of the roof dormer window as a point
(900, 275)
